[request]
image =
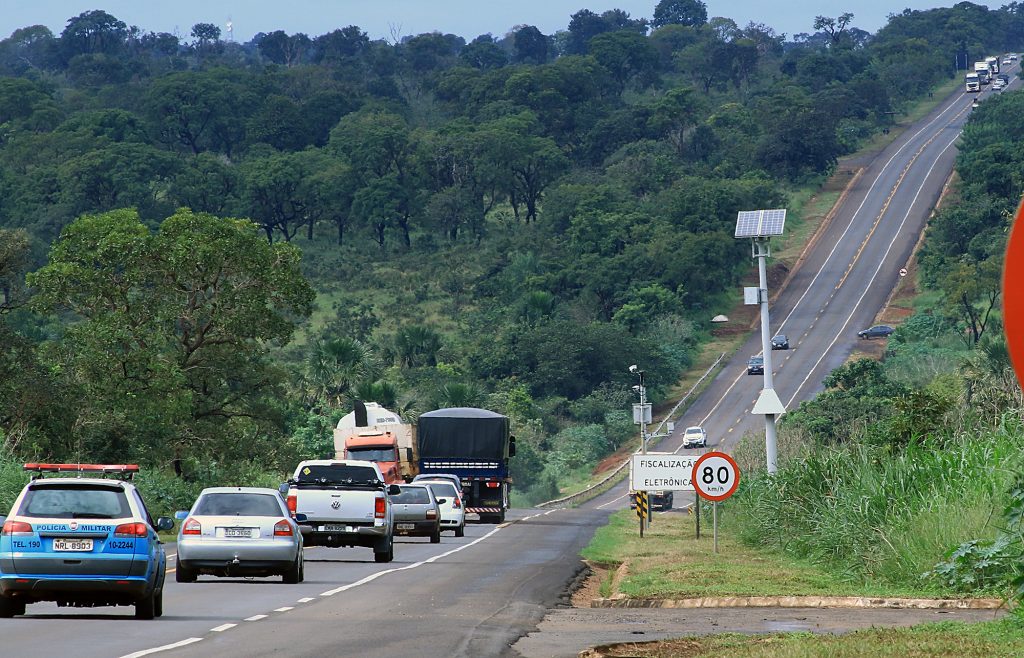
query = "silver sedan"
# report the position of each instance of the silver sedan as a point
(239, 531)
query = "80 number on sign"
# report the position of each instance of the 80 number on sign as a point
(715, 476)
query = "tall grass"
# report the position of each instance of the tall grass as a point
(874, 514)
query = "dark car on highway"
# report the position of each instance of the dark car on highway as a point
(417, 512)
(877, 331)
(658, 500)
(755, 365)
(780, 342)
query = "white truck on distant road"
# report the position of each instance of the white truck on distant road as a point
(973, 82)
(343, 503)
(984, 74)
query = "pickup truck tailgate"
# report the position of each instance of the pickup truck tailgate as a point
(335, 505)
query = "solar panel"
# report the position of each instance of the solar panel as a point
(760, 223)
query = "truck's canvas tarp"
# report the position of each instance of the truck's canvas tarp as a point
(463, 432)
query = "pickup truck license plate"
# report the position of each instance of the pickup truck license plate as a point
(334, 527)
(406, 526)
(72, 544)
(237, 532)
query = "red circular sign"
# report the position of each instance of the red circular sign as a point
(1013, 294)
(715, 476)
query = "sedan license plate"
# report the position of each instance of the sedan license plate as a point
(232, 533)
(80, 545)
(406, 526)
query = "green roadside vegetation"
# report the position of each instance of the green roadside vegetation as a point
(669, 562)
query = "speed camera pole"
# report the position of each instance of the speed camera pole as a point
(642, 416)
(759, 226)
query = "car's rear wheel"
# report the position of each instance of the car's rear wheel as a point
(183, 575)
(10, 607)
(293, 575)
(461, 530)
(158, 604)
(145, 608)
(436, 537)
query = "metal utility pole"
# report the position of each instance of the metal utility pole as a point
(759, 226)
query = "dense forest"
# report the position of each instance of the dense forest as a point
(507, 222)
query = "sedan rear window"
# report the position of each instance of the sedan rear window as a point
(412, 496)
(75, 502)
(442, 489)
(237, 504)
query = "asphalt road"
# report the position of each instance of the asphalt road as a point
(838, 289)
(471, 596)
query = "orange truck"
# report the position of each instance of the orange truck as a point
(372, 433)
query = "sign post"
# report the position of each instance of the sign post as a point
(715, 477)
(658, 471)
(641, 509)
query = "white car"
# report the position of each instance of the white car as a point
(453, 512)
(695, 437)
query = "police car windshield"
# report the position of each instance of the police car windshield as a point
(75, 502)
(238, 504)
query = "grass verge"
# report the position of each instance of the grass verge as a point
(1004, 637)
(671, 563)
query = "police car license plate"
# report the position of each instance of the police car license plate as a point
(237, 532)
(406, 526)
(72, 544)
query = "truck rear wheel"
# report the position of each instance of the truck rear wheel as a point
(388, 554)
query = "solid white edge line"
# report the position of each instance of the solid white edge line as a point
(166, 647)
(222, 628)
(614, 500)
(375, 576)
(256, 618)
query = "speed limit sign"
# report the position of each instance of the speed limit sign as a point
(715, 476)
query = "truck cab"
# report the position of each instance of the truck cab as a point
(973, 82)
(372, 433)
(379, 447)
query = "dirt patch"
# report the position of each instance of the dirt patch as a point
(675, 648)
(590, 588)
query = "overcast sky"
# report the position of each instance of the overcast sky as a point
(466, 18)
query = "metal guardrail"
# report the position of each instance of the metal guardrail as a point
(614, 477)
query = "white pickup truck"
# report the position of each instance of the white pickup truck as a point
(343, 503)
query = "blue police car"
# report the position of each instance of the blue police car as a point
(82, 541)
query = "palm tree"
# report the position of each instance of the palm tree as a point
(333, 367)
(417, 345)
(457, 394)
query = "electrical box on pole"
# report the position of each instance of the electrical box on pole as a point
(641, 414)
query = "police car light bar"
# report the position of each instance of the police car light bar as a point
(122, 469)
